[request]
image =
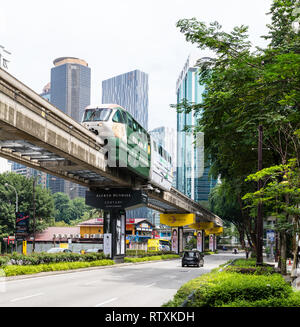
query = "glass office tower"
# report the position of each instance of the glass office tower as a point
(71, 93)
(192, 172)
(130, 90)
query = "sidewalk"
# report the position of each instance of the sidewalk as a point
(293, 280)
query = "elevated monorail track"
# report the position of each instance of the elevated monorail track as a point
(36, 134)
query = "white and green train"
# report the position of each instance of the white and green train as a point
(127, 144)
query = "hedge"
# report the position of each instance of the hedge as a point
(14, 270)
(43, 257)
(152, 258)
(229, 288)
(143, 253)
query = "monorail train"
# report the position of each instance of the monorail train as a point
(128, 144)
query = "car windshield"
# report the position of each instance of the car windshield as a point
(190, 254)
(99, 114)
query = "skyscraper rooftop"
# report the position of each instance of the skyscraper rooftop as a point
(69, 60)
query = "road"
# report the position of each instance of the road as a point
(148, 284)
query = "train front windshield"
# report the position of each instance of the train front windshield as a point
(99, 114)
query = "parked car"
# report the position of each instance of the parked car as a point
(58, 250)
(92, 251)
(192, 258)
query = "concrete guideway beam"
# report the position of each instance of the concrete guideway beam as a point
(35, 133)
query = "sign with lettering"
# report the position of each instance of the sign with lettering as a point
(116, 199)
(177, 219)
(22, 224)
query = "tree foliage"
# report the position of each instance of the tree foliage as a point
(246, 86)
(44, 206)
(69, 211)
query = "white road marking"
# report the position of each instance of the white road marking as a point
(105, 302)
(150, 285)
(26, 297)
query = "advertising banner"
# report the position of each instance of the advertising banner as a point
(116, 199)
(199, 241)
(22, 224)
(177, 219)
(107, 244)
(211, 242)
(174, 239)
(202, 225)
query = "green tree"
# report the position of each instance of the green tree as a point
(246, 88)
(62, 206)
(226, 201)
(280, 195)
(44, 205)
(70, 211)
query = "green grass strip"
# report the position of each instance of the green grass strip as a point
(15, 270)
(152, 258)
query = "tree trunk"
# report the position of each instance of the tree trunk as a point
(282, 260)
(295, 245)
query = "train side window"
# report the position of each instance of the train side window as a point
(160, 150)
(124, 116)
(129, 121)
(135, 126)
(118, 117)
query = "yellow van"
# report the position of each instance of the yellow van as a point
(155, 244)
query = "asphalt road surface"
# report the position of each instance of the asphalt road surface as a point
(148, 284)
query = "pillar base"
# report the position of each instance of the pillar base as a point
(119, 258)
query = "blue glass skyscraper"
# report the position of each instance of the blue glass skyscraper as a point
(129, 90)
(192, 172)
(71, 86)
(71, 93)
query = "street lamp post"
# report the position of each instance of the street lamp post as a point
(33, 200)
(259, 226)
(6, 184)
(17, 200)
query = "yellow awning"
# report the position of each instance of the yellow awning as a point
(214, 230)
(177, 219)
(202, 225)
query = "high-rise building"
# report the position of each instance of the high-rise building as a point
(46, 94)
(71, 86)
(71, 93)
(130, 90)
(41, 177)
(192, 172)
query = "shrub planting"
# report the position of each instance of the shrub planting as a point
(240, 284)
(14, 270)
(41, 258)
(143, 253)
(152, 258)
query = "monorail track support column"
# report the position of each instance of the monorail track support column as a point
(114, 201)
(114, 240)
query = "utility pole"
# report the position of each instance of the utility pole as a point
(33, 200)
(259, 222)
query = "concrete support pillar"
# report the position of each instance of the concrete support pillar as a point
(115, 234)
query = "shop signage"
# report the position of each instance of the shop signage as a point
(116, 199)
(22, 224)
(177, 220)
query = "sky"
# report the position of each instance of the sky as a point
(118, 36)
